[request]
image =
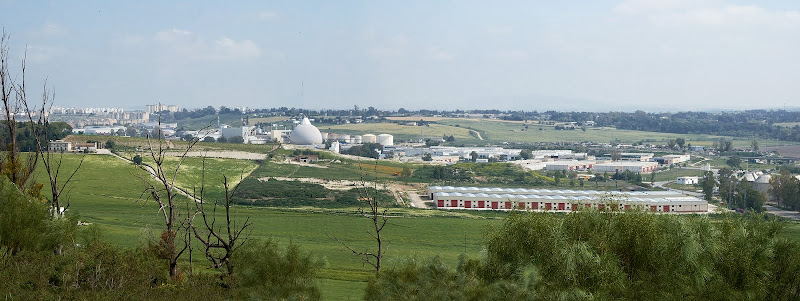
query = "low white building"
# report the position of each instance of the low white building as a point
(622, 166)
(59, 146)
(687, 180)
(672, 159)
(475, 198)
(568, 165)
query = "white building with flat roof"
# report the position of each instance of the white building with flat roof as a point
(687, 180)
(622, 166)
(475, 198)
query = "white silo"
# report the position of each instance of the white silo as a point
(386, 139)
(334, 147)
(369, 138)
(324, 136)
(345, 138)
(356, 138)
(333, 136)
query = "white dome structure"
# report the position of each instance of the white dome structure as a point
(764, 179)
(305, 134)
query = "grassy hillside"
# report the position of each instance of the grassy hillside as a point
(107, 192)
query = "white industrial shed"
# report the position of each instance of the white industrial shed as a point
(562, 200)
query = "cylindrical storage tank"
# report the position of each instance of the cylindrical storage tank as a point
(333, 136)
(344, 137)
(386, 139)
(369, 138)
(356, 138)
(335, 147)
(324, 136)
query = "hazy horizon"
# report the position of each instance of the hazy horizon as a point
(653, 55)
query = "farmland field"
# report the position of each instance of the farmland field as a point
(498, 131)
(402, 132)
(177, 145)
(672, 174)
(107, 192)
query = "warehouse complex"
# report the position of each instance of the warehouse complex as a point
(483, 198)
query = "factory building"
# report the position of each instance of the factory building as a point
(641, 157)
(622, 166)
(473, 198)
(568, 165)
(672, 159)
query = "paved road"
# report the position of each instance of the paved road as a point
(783, 213)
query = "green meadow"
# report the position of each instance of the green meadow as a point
(496, 131)
(400, 132)
(108, 192)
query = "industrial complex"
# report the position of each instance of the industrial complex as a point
(484, 198)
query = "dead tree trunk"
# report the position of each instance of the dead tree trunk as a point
(13, 95)
(370, 196)
(219, 244)
(164, 192)
(52, 163)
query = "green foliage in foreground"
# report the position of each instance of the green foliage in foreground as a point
(96, 270)
(593, 255)
(42, 258)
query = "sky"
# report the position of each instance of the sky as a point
(652, 55)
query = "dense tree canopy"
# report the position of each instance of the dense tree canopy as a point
(593, 255)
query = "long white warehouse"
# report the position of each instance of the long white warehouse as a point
(561, 200)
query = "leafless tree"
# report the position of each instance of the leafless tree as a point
(164, 193)
(370, 197)
(52, 162)
(18, 168)
(219, 243)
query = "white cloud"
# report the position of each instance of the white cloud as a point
(172, 35)
(267, 15)
(185, 44)
(41, 54)
(50, 29)
(438, 54)
(245, 49)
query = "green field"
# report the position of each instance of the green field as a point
(107, 192)
(401, 132)
(190, 174)
(499, 131)
(672, 174)
(496, 131)
(787, 124)
(133, 143)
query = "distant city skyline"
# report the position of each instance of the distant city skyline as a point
(652, 55)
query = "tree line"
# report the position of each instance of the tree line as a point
(593, 255)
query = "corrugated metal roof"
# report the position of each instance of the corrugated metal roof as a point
(580, 198)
